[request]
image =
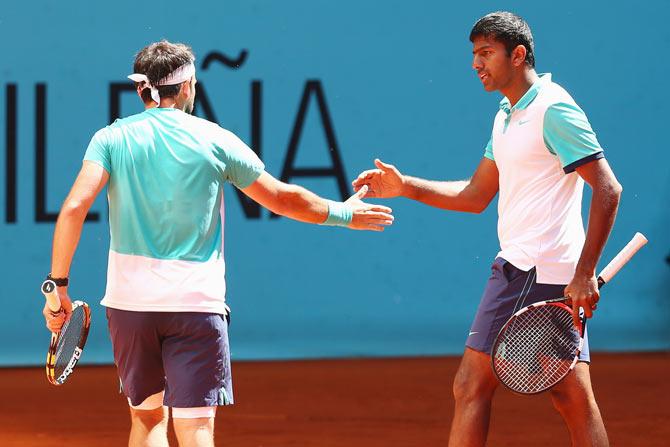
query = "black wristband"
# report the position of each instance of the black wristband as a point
(60, 282)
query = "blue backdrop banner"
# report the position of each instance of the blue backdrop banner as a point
(330, 85)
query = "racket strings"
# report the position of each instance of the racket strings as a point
(537, 350)
(70, 339)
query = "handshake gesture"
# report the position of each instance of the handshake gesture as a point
(383, 183)
(366, 216)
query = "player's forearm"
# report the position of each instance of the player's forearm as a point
(603, 210)
(298, 203)
(66, 237)
(453, 195)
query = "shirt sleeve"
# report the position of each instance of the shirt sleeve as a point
(488, 150)
(98, 150)
(243, 166)
(569, 136)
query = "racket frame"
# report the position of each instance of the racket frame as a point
(54, 304)
(557, 302)
(76, 354)
(606, 274)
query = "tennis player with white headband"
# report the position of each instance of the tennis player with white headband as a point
(165, 294)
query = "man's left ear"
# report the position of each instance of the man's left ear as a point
(185, 89)
(519, 55)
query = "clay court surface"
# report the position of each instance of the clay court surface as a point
(345, 403)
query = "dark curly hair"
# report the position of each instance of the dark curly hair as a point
(157, 61)
(508, 29)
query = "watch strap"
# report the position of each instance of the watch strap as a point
(60, 282)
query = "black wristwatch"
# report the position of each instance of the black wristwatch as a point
(60, 282)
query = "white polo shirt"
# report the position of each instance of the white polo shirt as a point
(537, 144)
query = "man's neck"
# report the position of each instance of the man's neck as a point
(519, 86)
(168, 103)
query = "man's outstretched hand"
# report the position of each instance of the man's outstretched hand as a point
(367, 216)
(384, 182)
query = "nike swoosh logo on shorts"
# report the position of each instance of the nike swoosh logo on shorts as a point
(472, 333)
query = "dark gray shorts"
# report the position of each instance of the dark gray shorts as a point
(184, 353)
(508, 290)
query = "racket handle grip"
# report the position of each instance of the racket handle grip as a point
(53, 302)
(623, 257)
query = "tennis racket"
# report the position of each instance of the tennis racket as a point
(67, 344)
(539, 345)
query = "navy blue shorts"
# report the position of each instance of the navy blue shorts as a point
(508, 290)
(184, 353)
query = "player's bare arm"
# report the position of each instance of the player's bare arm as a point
(583, 289)
(300, 204)
(472, 195)
(90, 181)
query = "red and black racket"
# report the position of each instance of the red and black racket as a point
(67, 344)
(539, 345)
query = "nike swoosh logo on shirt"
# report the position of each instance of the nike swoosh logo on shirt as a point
(472, 333)
(523, 122)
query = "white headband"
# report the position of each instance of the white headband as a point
(181, 74)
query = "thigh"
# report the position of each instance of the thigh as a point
(196, 358)
(137, 352)
(197, 431)
(507, 290)
(576, 387)
(474, 375)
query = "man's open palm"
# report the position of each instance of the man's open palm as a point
(384, 182)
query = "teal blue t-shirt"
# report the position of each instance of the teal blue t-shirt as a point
(167, 169)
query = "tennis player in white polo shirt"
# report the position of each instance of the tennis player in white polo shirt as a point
(542, 149)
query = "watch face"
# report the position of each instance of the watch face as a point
(48, 286)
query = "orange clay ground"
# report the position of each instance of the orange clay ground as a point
(344, 403)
